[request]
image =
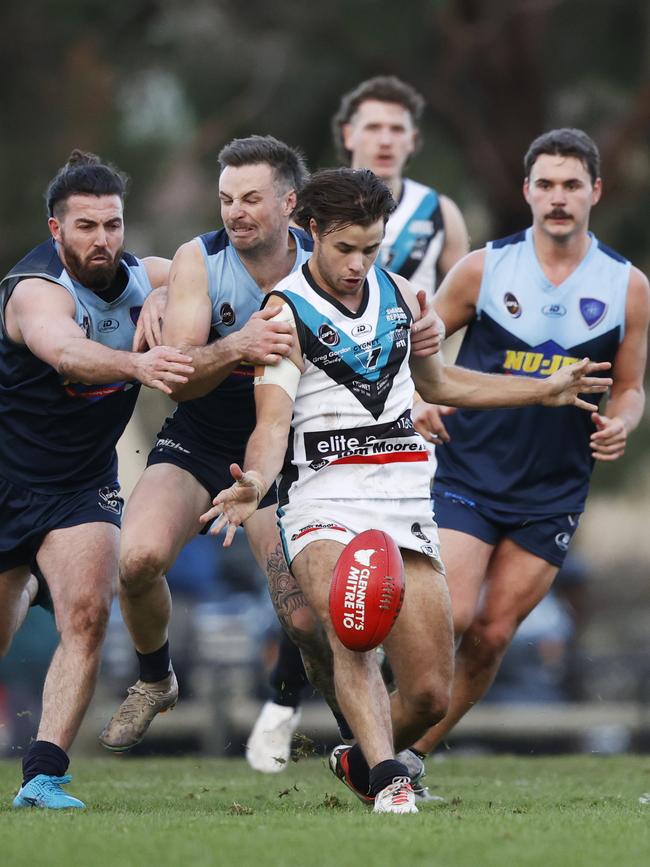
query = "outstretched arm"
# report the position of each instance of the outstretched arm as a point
(40, 314)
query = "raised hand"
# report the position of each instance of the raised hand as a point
(428, 333)
(232, 506)
(567, 384)
(161, 365)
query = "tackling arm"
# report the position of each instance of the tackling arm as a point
(187, 320)
(40, 314)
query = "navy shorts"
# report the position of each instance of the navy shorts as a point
(546, 536)
(26, 517)
(207, 462)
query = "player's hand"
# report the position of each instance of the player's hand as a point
(148, 330)
(231, 507)
(262, 341)
(428, 333)
(161, 365)
(567, 384)
(609, 439)
(427, 420)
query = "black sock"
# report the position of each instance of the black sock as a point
(346, 732)
(288, 678)
(359, 770)
(420, 755)
(384, 773)
(155, 666)
(43, 757)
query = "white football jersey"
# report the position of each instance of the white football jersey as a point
(352, 435)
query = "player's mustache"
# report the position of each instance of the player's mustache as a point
(558, 214)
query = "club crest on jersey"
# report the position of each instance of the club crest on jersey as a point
(227, 314)
(512, 305)
(134, 313)
(593, 311)
(554, 310)
(328, 335)
(85, 325)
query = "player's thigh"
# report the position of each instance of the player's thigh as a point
(162, 514)
(516, 582)
(313, 568)
(421, 641)
(466, 560)
(80, 566)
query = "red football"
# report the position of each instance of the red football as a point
(367, 590)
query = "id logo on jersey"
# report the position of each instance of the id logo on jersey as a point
(593, 311)
(554, 310)
(108, 325)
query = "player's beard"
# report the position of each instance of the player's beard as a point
(97, 277)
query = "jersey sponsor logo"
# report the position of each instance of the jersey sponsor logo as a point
(110, 500)
(328, 443)
(554, 310)
(396, 314)
(512, 305)
(134, 313)
(540, 361)
(227, 314)
(328, 335)
(421, 227)
(108, 325)
(593, 311)
(318, 465)
(314, 526)
(361, 328)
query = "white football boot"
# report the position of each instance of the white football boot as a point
(269, 745)
(398, 797)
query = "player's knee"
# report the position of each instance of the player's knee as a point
(302, 625)
(488, 641)
(85, 623)
(428, 700)
(140, 568)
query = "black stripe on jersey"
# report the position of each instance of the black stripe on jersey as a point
(300, 325)
(412, 263)
(517, 238)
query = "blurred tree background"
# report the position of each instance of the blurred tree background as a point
(158, 86)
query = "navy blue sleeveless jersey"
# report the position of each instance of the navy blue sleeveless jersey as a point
(536, 460)
(58, 436)
(225, 417)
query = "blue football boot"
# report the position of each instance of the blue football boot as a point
(45, 791)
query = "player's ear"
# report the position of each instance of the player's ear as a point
(290, 202)
(313, 228)
(55, 228)
(597, 191)
(526, 189)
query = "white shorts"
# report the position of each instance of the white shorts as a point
(409, 521)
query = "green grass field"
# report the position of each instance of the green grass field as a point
(569, 811)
